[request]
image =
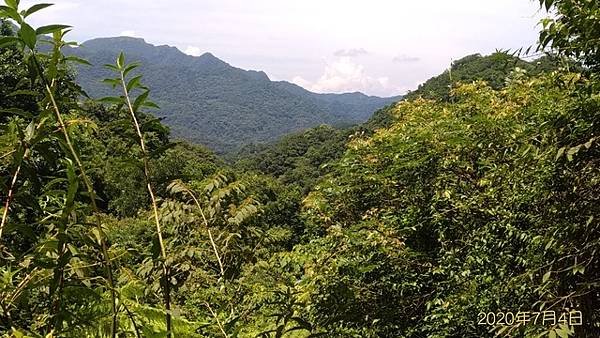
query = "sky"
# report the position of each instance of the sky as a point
(378, 47)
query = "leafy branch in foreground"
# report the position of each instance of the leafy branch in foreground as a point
(179, 187)
(128, 86)
(56, 63)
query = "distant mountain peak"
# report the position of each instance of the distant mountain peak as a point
(206, 100)
(208, 55)
(120, 39)
(127, 38)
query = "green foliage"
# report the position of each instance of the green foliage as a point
(493, 69)
(475, 193)
(573, 30)
(481, 197)
(297, 158)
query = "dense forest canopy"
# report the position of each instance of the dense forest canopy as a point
(474, 198)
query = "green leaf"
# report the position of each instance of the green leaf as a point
(134, 83)
(562, 333)
(97, 235)
(30, 131)
(546, 276)
(150, 104)
(16, 111)
(111, 99)
(77, 59)
(129, 68)
(27, 34)
(23, 92)
(121, 60)
(35, 8)
(12, 3)
(112, 82)
(573, 151)
(560, 153)
(50, 29)
(111, 67)
(139, 101)
(10, 13)
(6, 41)
(73, 185)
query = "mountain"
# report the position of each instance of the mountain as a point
(494, 69)
(207, 101)
(300, 158)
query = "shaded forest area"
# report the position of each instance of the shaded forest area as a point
(476, 194)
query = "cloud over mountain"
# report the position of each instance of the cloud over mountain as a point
(345, 75)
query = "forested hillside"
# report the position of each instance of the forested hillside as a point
(299, 158)
(468, 215)
(206, 101)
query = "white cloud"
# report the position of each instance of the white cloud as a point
(129, 33)
(403, 58)
(302, 82)
(344, 75)
(193, 51)
(351, 52)
(290, 38)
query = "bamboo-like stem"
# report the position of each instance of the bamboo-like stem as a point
(90, 189)
(163, 251)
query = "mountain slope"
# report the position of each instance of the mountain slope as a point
(495, 69)
(207, 101)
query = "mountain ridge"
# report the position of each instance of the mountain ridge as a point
(206, 100)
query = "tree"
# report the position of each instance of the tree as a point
(573, 30)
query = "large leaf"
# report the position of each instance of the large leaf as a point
(50, 29)
(140, 100)
(134, 83)
(12, 3)
(35, 8)
(112, 99)
(129, 68)
(28, 35)
(121, 60)
(79, 60)
(7, 12)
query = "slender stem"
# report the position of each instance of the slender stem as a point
(91, 192)
(217, 319)
(212, 242)
(21, 286)
(132, 319)
(8, 154)
(11, 190)
(59, 276)
(163, 251)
